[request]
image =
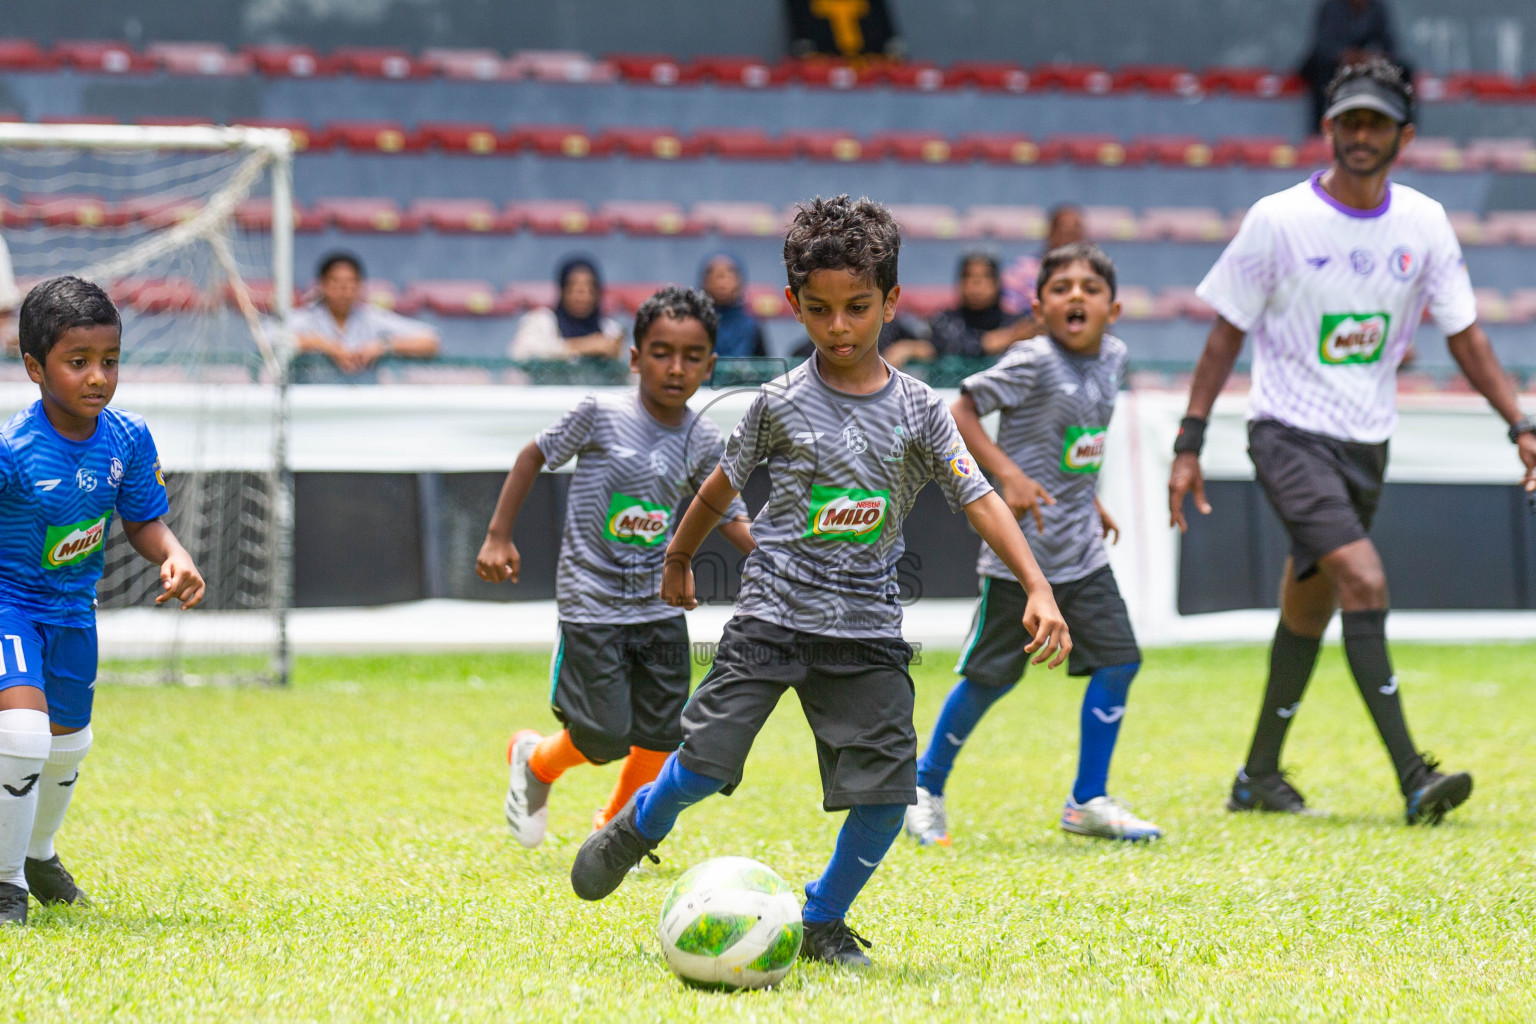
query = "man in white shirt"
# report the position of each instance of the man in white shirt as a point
(10, 299)
(1331, 277)
(353, 333)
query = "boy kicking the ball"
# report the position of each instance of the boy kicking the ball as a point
(66, 465)
(1056, 393)
(849, 442)
(621, 669)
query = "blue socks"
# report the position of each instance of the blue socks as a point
(1103, 707)
(866, 835)
(963, 708)
(657, 804)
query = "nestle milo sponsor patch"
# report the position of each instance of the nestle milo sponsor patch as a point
(1352, 338)
(68, 545)
(840, 513)
(1083, 450)
(633, 521)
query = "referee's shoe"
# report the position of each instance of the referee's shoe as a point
(1435, 794)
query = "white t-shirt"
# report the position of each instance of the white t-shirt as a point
(10, 295)
(1331, 296)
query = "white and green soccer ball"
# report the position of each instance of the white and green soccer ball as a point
(731, 923)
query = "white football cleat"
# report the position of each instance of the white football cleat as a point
(927, 821)
(1106, 818)
(527, 803)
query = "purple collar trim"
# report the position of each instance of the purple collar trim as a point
(1350, 211)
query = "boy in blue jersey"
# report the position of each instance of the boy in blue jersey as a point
(66, 465)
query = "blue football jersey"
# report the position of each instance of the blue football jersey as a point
(57, 497)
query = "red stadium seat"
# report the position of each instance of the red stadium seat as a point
(748, 72)
(1157, 78)
(1171, 151)
(256, 215)
(76, 211)
(652, 143)
(915, 147)
(463, 216)
(1255, 151)
(989, 75)
(926, 300)
(627, 297)
(480, 139)
(1487, 88)
(102, 55)
(1111, 224)
(767, 301)
(78, 119)
(469, 65)
(25, 55)
(557, 217)
(375, 136)
(1007, 223)
(1522, 306)
(460, 298)
(924, 220)
(1261, 82)
(1517, 155)
(1516, 226)
(1491, 307)
(1470, 229)
(262, 293)
(1184, 224)
(385, 295)
(827, 145)
(568, 140)
(645, 217)
(288, 61)
(831, 74)
(740, 144)
(381, 215)
(745, 219)
(919, 76)
(1315, 152)
(1433, 154)
(198, 59)
(159, 212)
(998, 148)
(171, 295)
(562, 66)
(1185, 303)
(16, 215)
(305, 137)
(1087, 78)
(378, 62)
(1103, 150)
(531, 294)
(1138, 303)
(650, 68)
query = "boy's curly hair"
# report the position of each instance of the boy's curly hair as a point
(676, 304)
(857, 235)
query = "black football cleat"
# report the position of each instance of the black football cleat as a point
(608, 854)
(833, 942)
(51, 882)
(13, 904)
(1436, 794)
(1272, 792)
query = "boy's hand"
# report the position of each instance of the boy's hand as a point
(1110, 526)
(677, 582)
(498, 561)
(1022, 494)
(180, 581)
(1048, 630)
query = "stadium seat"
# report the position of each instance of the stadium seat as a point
(1315, 152)
(75, 211)
(926, 300)
(1138, 303)
(379, 62)
(198, 59)
(26, 55)
(1184, 224)
(382, 215)
(827, 145)
(463, 216)
(16, 215)
(1183, 302)
(832, 74)
(742, 219)
(1522, 306)
(168, 295)
(990, 76)
(916, 75)
(1513, 226)
(926, 220)
(1006, 223)
(568, 140)
(557, 217)
(998, 148)
(256, 215)
(1111, 224)
(384, 294)
(627, 297)
(767, 301)
(531, 294)
(1491, 307)
(469, 65)
(305, 136)
(562, 66)
(649, 68)
(1103, 150)
(1072, 78)
(479, 138)
(460, 298)
(262, 294)
(375, 136)
(648, 217)
(1487, 88)
(1470, 229)
(1515, 155)
(102, 55)
(1255, 151)
(1427, 153)
(1156, 78)
(78, 119)
(1171, 151)
(914, 147)
(289, 61)
(749, 72)
(159, 212)
(1261, 82)
(740, 144)
(652, 143)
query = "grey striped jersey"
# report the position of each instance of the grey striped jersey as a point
(844, 471)
(1055, 407)
(631, 472)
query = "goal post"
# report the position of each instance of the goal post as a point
(190, 230)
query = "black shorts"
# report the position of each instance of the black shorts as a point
(1324, 490)
(621, 686)
(1095, 613)
(856, 695)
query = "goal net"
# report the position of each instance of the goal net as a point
(190, 230)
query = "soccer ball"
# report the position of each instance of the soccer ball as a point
(731, 923)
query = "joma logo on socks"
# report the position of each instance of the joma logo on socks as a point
(30, 780)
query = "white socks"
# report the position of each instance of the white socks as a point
(54, 788)
(24, 748)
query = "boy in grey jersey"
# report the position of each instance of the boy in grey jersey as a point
(848, 442)
(620, 672)
(1056, 394)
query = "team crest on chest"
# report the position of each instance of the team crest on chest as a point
(1362, 261)
(1403, 263)
(115, 473)
(85, 479)
(856, 440)
(659, 464)
(898, 449)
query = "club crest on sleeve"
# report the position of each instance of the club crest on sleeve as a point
(961, 463)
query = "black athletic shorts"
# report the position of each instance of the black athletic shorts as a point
(1101, 629)
(1325, 490)
(856, 695)
(618, 686)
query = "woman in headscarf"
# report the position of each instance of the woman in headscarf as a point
(979, 326)
(724, 280)
(576, 326)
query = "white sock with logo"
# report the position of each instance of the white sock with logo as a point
(54, 788)
(24, 746)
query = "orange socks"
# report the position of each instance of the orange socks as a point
(640, 767)
(554, 755)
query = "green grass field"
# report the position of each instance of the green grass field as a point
(336, 852)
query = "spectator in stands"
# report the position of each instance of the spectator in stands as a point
(10, 298)
(978, 326)
(351, 332)
(1064, 228)
(1347, 32)
(576, 326)
(739, 335)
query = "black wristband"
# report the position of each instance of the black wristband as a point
(1524, 425)
(1191, 436)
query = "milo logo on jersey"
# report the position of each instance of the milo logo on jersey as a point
(1348, 338)
(1083, 450)
(839, 513)
(67, 545)
(632, 521)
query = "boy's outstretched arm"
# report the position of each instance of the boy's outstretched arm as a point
(712, 501)
(1021, 493)
(739, 533)
(179, 578)
(498, 560)
(1042, 619)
